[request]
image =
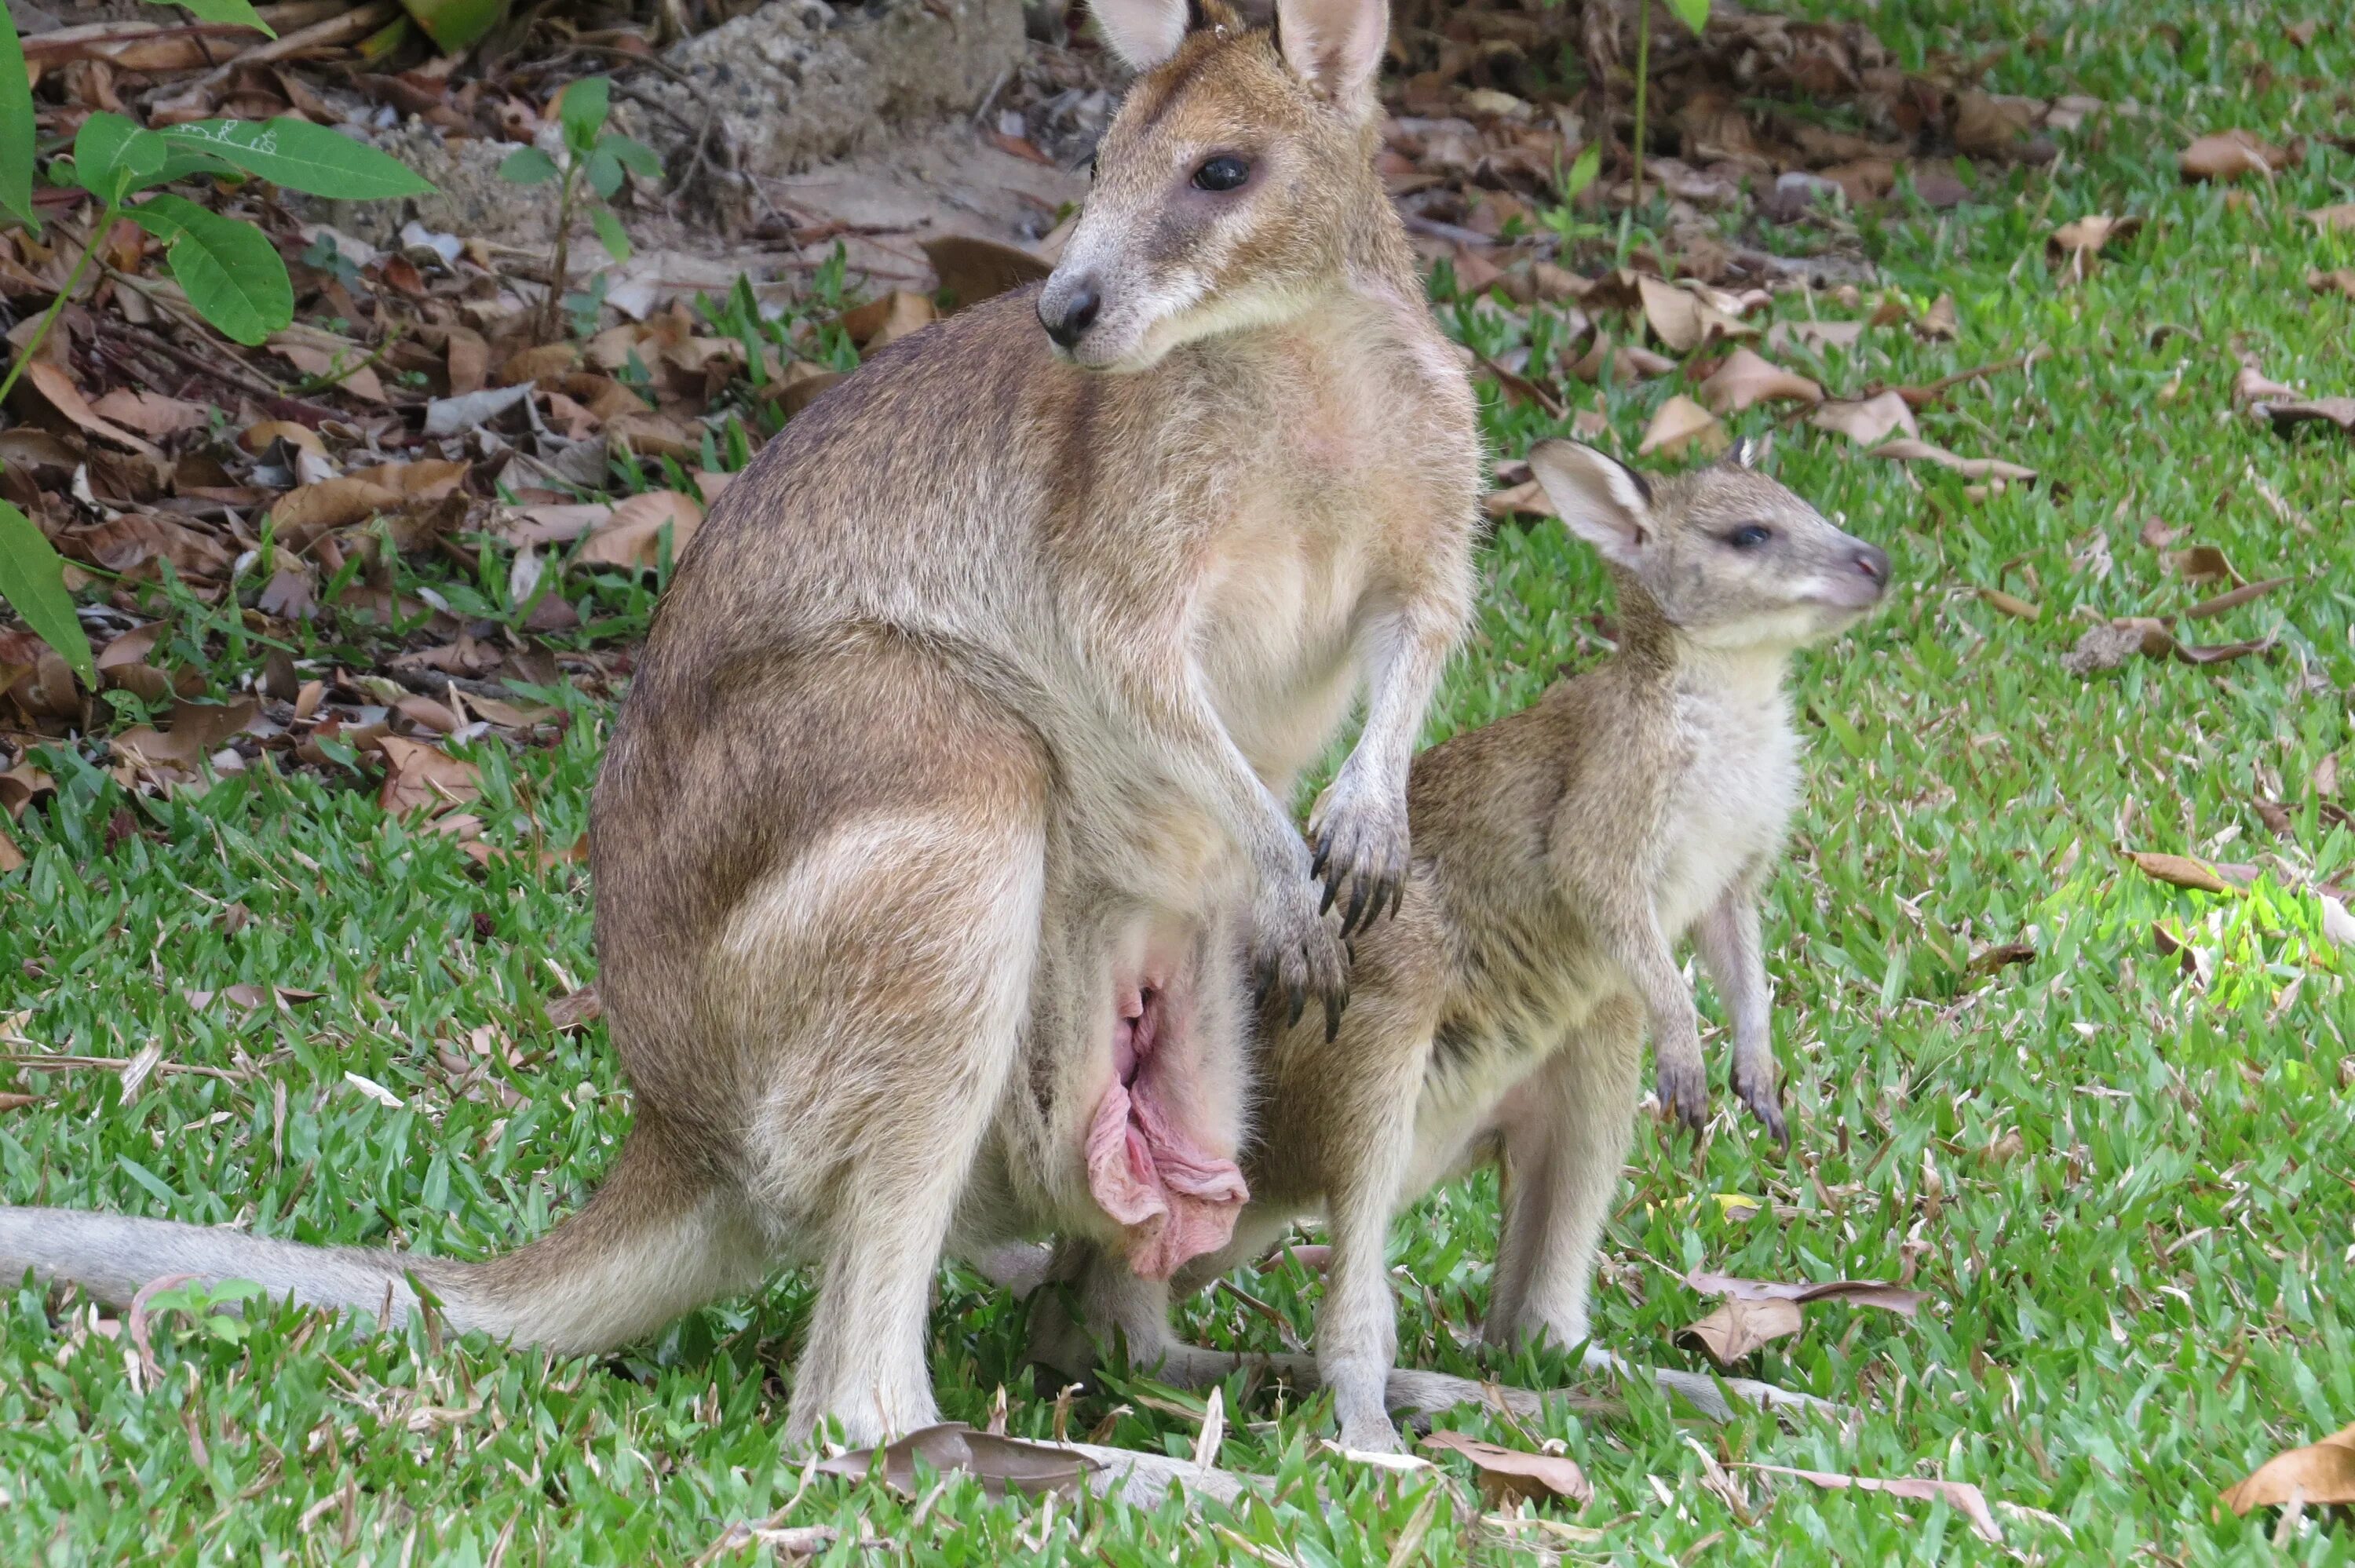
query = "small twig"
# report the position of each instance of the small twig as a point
(1922, 397)
(41, 1064)
(354, 23)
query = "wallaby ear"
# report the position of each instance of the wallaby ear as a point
(1335, 46)
(1600, 499)
(1752, 452)
(1143, 33)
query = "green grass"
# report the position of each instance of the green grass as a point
(2128, 1193)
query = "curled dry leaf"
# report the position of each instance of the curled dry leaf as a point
(1621, 361)
(2338, 280)
(1912, 450)
(2229, 155)
(1746, 379)
(2074, 246)
(575, 1009)
(2254, 386)
(2235, 598)
(2322, 1473)
(2341, 218)
(52, 383)
(1507, 1476)
(1741, 1325)
(887, 320)
(1862, 1292)
(2012, 604)
(1942, 323)
(976, 269)
(2338, 412)
(1867, 421)
(1961, 1496)
(1683, 320)
(1527, 499)
(150, 413)
(197, 731)
(2182, 871)
(1999, 955)
(631, 535)
(1003, 1464)
(1683, 425)
(424, 778)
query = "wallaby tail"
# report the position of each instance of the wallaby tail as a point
(653, 1244)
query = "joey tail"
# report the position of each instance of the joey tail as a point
(654, 1243)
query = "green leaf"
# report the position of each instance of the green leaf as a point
(230, 271)
(17, 131)
(582, 111)
(231, 13)
(302, 158)
(528, 167)
(33, 581)
(605, 173)
(633, 154)
(1583, 170)
(453, 25)
(610, 234)
(113, 156)
(1693, 14)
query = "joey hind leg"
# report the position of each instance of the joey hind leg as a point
(1565, 1140)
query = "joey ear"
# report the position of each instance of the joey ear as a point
(1335, 45)
(1143, 33)
(1599, 498)
(1750, 451)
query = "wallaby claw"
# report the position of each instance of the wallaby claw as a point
(1765, 1103)
(1683, 1089)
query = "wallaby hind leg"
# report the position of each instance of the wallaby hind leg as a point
(885, 970)
(1565, 1134)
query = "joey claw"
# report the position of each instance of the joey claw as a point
(1356, 906)
(1683, 1087)
(1297, 1000)
(1333, 1006)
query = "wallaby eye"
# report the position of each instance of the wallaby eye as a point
(1224, 172)
(1093, 159)
(1750, 536)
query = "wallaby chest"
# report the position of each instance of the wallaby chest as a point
(1732, 801)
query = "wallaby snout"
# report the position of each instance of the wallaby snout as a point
(1066, 308)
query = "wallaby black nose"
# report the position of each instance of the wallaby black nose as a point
(1873, 562)
(1067, 319)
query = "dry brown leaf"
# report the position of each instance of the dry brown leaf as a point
(1961, 1496)
(2322, 1473)
(2012, 605)
(2254, 386)
(2182, 870)
(1870, 420)
(1002, 1464)
(2234, 598)
(575, 1009)
(421, 776)
(1746, 379)
(976, 269)
(2204, 564)
(1911, 450)
(1509, 1475)
(2338, 411)
(548, 361)
(2073, 246)
(2340, 217)
(1681, 320)
(2301, 32)
(1683, 425)
(2338, 280)
(197, 731)
(343, 366)
(150, 413)
(1527, 499)
(12, 859)
(468, 357)
(1815, 335)
(1621, 361)
(631, 535)
(1862, 1292)
(21, 786)
(1741, 1325)
(880, 322)
(2228, 155)
(54, 383)
(1997, 955)
(1942, 323)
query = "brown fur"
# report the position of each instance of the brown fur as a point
(977, 701)
(1559, 852)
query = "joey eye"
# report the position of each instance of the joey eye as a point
(1093, 159)
(1750, 536)
(1224, 172)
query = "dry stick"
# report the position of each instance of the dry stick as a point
(1923, 396)
(353, 24)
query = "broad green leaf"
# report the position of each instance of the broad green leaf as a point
(605, 173)
(633, 154)
(453, 25)
(302, 158)
(230, 13)
(1583, 170)
(183, 162)
(528, 167)
(17, 131)
(1693, 14)
(230, 271)
(610, 234)
(113, 155)
(582, 111)
(32, 579)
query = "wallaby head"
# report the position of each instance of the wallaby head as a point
(1734, 561)
(1236, 185)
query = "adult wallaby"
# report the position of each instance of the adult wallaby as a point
(1561, 854)
(964, 736)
